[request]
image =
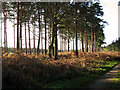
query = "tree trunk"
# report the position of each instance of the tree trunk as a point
(53, 36)
(21, 34)
(49, 34)
(18, 43)
(14, 35)
(62, 41)
(38, 47)
(45, 37)
(76, 40)
(81, 32)
(25, 33)
(21, 28)
(34, 39)
(86, 40)
(25, 38)
(94, 41)
(53, 51)
(73, 41)
(65, 44)
(29, 38)
(5, 32)
(60, 44)
(56, 49)
(1, 30)
(91, 40)
(41, 42)
(68, 45)
(51, 45)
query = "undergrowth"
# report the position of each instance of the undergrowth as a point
(31, 71)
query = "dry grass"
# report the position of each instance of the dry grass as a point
(26, 68)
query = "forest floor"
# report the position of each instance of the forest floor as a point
(106, 80)
(40, 71)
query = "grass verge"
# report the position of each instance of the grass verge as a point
(83, 80)
(115, 84)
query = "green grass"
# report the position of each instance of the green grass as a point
(115, 84)
(77, 82)
(83, 80)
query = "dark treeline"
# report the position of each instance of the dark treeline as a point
(72, 22)
(114, 46)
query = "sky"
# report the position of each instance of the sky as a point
(110, 9)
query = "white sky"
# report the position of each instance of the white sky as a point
(110, 8)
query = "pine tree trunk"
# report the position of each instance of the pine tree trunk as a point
(81, 32)
(14, 35)
(61, 44)
(21, 35)
(80, 41)
(94, 41)
(41, 42)
(56, 49)
(21, 27)
(38, 47)
(64, 44)
(25, 38)
(5, 32)
(49, 36)
(76, 40)
(1, 30)
(18, 43)
(62, 41)
(73, 42)
(68, 45)
(34, 39)
(45, 37)
(51, 45)
(91, 40)
(86, 40)
(25, 32)
(29, 38)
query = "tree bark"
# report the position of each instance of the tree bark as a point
(62, 41)
(25, 32)
(21, 28)
(14, 35)
(86, 40)
(29, 38)
(94, 41)
(25, 38)
(68, 45)
(21, 35)
(45, 36)
(18, 43)
(38, 47)
(51, 45)
(76, 40)
(34, 39)
(41, 42)
(81, 36)
(56, 49)
(60, 44)
(5, 32)
(1, 30)
(65, 44)
(73, 41)
(91, 40)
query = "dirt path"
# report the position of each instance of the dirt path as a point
(103, 81)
